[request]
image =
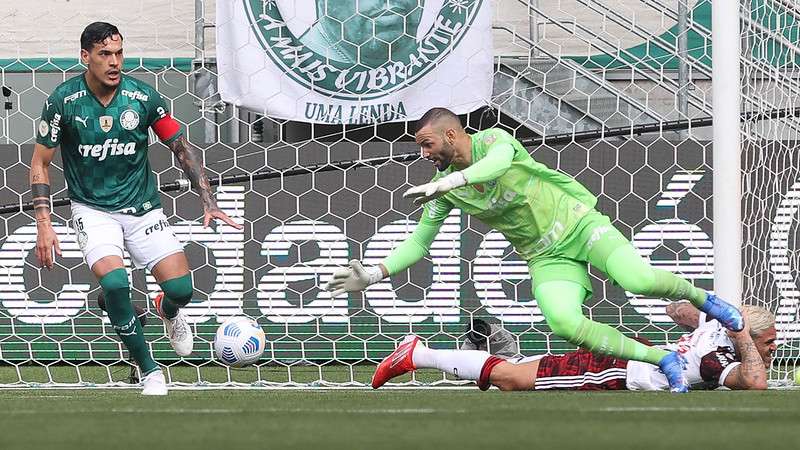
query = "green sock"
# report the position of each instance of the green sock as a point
(177, 294)
(668, 285)
(560, 302)
(601, 338)
(120, 312)
(636, 275)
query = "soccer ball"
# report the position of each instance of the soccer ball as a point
(239, 341)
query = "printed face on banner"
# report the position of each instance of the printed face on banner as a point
(365, 47)
(370, 33)
(352, 62)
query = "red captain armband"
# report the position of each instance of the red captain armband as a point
(166, 128)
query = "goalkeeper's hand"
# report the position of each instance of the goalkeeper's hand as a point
(435, 189)
(353, 279)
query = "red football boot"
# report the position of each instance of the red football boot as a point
(396, 364)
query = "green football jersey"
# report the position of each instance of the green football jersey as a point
(104, 148)
(532, 205)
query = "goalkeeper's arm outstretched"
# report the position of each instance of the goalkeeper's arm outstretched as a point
(550, 220)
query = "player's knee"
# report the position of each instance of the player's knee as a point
(509, 377)
(114, 281)
(505, 385)
(179, 290)
(565, 326)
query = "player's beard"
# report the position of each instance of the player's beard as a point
(446, 157)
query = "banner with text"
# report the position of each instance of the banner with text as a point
(345, 62)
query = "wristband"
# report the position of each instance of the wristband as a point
(454, 180)
(375, 274)
(41, 196)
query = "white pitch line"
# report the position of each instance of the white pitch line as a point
(40, 396)
(681, 409)
(188, 411)
(281, 410)
(237, 411)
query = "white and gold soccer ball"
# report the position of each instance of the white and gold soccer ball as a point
(239, 341)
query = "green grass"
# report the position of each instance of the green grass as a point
(92, 374)
(403, 419)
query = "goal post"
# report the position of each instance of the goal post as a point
(726, 90)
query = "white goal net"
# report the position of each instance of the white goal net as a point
(614, 92)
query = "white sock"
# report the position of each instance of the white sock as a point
(465, 364)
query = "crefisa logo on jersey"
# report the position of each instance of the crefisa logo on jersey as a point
(111, 147)
(129, 119)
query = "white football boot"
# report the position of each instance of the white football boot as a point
(178, 329)
(154, 383)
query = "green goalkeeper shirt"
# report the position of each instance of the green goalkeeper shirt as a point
(104, 148)
(532, 205)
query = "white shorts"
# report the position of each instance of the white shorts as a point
(148, 238)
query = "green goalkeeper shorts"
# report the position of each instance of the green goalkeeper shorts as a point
(592, 241)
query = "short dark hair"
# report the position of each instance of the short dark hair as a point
(96, 33)
(434, 115)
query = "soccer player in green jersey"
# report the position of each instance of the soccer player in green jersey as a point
(100, 121)
(550, 220)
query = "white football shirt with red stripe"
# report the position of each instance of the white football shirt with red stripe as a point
(710, 357)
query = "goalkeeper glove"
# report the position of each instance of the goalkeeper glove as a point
(354, 278)
(435, 189)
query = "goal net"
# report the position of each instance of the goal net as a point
(616, 93)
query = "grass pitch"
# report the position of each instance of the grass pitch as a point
(397, 419)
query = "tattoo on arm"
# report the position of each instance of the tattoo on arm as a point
(684, 314)
(751, 372)
(192, 166)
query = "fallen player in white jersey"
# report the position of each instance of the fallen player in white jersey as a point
(716, 357)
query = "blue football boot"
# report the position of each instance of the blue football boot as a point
(672, 366)
(725, 313)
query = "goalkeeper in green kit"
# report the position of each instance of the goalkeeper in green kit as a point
(550, 220)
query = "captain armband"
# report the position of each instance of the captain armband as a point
(166, 128)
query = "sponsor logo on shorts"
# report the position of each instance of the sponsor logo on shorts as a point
(83, 240)
(597, 233)
(161, 225)
(111, 147)
(547, 239)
